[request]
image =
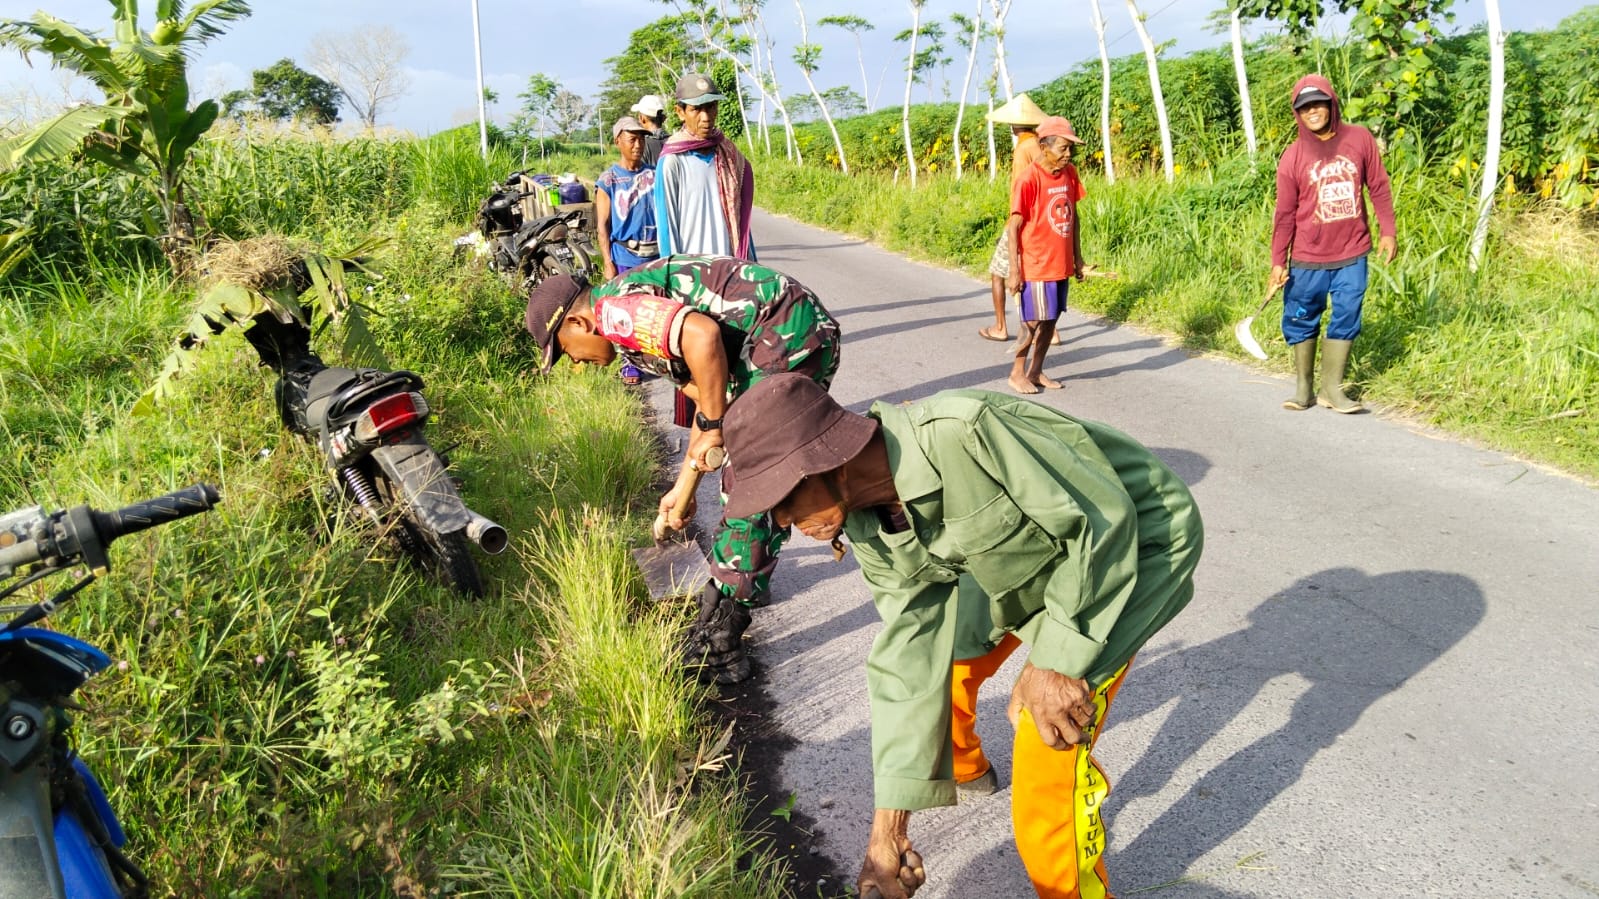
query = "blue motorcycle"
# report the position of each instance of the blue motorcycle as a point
(59, 838)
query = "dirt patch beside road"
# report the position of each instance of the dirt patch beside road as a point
(760, 743)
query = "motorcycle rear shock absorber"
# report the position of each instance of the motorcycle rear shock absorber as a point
(362, 488)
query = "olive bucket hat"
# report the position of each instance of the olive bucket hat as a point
(780, 431)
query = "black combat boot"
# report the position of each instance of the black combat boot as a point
(715, 646)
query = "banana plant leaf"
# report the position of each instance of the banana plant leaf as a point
(61, 136)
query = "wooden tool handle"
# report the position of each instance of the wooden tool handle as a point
(1271, 291)
(688, 481)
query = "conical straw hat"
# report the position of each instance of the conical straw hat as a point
(1021, 110)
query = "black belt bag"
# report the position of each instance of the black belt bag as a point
(644, 250)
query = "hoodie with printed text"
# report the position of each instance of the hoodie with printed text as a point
(1320, 219)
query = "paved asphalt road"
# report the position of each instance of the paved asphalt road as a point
(1387, 683)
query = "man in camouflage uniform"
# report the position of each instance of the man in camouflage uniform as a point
(715, 326)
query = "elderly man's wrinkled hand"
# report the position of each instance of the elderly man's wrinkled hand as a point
(892, 870)
(1061, 707)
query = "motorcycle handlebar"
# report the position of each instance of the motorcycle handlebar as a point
(82, 533)
(160, 510)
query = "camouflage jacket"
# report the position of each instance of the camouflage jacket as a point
(770, 323)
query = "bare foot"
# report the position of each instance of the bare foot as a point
(1048, 383)
(1022, 385)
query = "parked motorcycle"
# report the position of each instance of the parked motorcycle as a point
(368, 424)
(530, 249)
(59, 838)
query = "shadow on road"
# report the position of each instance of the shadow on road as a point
(1189, 465)
(805, 247)
(911, 325)
(919, 303)
(1354, 638)
(986, 376)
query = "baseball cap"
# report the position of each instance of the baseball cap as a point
(1020, 110)
(547, 305)
(1056, 126)
(649, 106)
(1310, 95)
(627, 123)
(780, 431)
(695, 89)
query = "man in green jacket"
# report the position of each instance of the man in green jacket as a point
(1071, 537)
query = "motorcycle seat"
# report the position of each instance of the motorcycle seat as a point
(336, 393)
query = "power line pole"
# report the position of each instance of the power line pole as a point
(482, 104)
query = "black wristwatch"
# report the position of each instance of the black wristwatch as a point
(706, 424)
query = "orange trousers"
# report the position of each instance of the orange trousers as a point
(1056, 795)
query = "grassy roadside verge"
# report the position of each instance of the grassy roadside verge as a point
(1506, 356)
(294, 711)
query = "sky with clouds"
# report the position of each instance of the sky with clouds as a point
(570, 41)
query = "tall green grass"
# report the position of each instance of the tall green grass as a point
(258, 179)
(295, 710)
(1506, 354)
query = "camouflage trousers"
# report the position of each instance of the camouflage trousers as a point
(743, 554)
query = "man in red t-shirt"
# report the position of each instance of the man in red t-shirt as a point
(1322, 180)
(1023, 116)
(1045, 247)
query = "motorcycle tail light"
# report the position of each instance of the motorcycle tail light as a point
(390, 414)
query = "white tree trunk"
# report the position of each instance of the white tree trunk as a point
(1496, 113)
(866, 89)
(738, 95)
(1104, 94)
(838, 144)
(805, 38)
(966, 86)
(910, 74)
(1154, 88)
(1243, 84)
(767, 90)
(1001, 10)
(993, 163)
(755, 62)
(791, 143)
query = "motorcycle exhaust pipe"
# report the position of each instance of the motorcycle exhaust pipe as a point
(486, 534)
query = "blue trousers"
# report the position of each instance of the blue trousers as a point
(1305, 298)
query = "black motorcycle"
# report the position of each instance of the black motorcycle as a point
(532, 248)
(368, 424)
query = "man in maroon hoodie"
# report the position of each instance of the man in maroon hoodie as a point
(1321, 223)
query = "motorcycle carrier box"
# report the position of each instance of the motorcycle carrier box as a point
(545, 199)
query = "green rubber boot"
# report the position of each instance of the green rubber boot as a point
(1334, 359)
(1304, 376)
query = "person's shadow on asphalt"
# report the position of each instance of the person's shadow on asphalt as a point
(1353, 637)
